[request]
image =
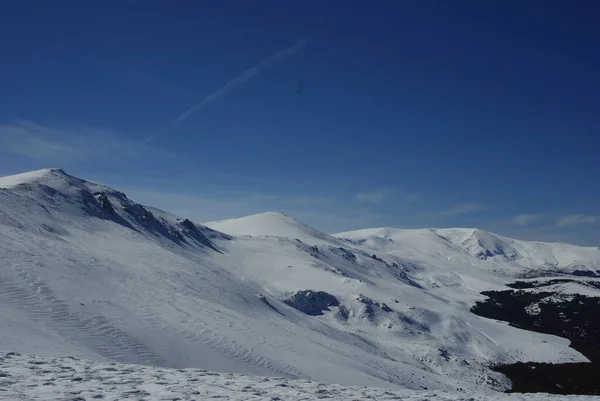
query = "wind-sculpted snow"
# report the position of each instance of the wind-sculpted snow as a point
(87, 272)
(26, 377)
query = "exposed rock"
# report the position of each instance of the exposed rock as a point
(313, 303)
(102, 198)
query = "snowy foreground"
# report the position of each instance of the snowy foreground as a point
(87, 272)
(35, 378)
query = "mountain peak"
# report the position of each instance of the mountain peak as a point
(480, 243)
(55, 178)
(30, 177)
(275, 224)
(279, 215)
(54, 170)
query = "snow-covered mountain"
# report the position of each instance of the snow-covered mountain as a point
(274, 224)
(465, 244)
(89, 273)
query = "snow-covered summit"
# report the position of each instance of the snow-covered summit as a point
(55, 178)
(273, 224)
(479, 243)
(31, 176)
(50, 182)
(54, 198)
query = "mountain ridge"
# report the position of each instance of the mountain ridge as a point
(51, 174)
(485, 245)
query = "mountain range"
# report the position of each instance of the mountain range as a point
(89, 273)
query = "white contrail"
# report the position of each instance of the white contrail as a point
(242, 79)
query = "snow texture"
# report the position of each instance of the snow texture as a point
(35, 378)
(88, 273)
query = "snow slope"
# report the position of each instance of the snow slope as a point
(474, 246)
(89, 273)
(36, 378)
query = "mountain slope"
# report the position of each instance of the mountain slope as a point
(88, 272)
(519, 257)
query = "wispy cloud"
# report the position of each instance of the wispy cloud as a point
(376, 196)
(576, 219)
(523, 220)
(241, 79)
(464, 208)
(59, 145)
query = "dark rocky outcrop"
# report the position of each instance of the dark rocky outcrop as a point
(313, 303)
(102, 198)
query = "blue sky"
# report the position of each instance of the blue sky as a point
(346, 116)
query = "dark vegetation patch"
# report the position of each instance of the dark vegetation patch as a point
(519, 285)
(564, 378)
(575, 317)
(586, 273)
(552, 272)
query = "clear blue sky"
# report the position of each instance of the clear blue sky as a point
(384, 113)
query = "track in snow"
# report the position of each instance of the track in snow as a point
(95, 332)
(206, 334)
